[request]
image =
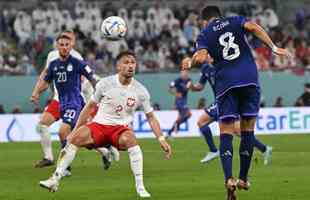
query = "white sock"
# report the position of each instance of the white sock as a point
(66, 157)
(46, 141)
(103, 151)
(136, 164)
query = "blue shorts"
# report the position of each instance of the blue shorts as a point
(181, 106)
(212, 111)
(70, 115)
(243, 102)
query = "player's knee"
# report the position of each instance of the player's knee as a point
(200, 123)
(247, 123)
(126, 141)
(41, 128)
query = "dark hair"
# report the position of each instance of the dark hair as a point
(67, 31)
(62, 37)
(125, 53)
(210, 11)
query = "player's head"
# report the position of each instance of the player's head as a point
(63, 45)
(208, 13)
(126, 64)
(185, 64)
(71, 35)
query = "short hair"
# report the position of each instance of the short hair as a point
(67, 31)
(125, 53)
(210, 11)
(62, 37)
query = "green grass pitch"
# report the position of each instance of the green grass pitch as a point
(181, 178)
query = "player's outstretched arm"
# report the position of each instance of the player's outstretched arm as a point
(154, 124)
(259, 32)
(85, 114)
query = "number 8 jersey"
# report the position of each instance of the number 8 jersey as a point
(225, 39)
(118, 103)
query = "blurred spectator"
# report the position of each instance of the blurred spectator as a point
(201, 103)
(171, 30)
(150, 59)
(22, 27)
(279, 102)
(156, 106)
(304, 99)
(191, 29)
(37, 109)
(16, 109)
(2, 111)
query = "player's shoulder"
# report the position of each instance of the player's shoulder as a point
(106, 81)
(52, 55)
(74, 53)
(140, 88)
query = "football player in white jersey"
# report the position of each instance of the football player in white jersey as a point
(118, 97)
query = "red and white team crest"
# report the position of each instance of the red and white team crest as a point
(131, 102)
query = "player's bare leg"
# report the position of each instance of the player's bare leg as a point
(77, 139)
(127, 141)
(46, 121)
(203, 124)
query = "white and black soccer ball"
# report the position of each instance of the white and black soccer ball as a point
(114, 28)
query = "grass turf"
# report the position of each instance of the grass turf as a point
(181, 178)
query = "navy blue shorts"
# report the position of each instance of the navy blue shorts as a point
(181, 106)
(212, 111)
(243, 101)
(70, 115)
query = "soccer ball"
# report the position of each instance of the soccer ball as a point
(114, 28)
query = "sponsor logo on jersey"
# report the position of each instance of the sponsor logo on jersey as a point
(131, 102)
(69, 68)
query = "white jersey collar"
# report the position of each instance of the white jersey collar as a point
(121, 85)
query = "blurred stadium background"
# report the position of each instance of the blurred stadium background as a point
(161, 33)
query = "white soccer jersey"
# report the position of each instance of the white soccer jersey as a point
(118, 103)
(53, 55)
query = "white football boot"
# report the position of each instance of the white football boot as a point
(210, 156)
(51, 184)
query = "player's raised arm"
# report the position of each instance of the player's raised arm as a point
(259, 32)
(154, 124)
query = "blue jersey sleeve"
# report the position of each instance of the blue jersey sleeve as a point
(49, 76)
(85, 70)
(201, 42)
(203, 78)
(240, 20)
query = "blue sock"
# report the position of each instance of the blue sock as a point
(206, 132)
(171, 130)
(259, 145)
(245, 152)
(226, 152)
(182, 120)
